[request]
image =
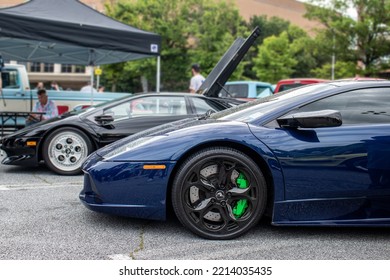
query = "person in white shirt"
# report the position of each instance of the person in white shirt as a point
(197, 79)
(88, 88)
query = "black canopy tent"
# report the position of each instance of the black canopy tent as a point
(69, 32)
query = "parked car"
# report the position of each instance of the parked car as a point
(286, 84)
(63, 143)
(246, 89)
(17, 96)
(313, 156)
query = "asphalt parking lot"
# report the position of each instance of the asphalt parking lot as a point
(42, 219)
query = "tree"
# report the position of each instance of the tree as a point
(364, 40)
(342, 70)
(275, 60)
(291, 54)
(303, 49)
(191, 30)
(268, 27)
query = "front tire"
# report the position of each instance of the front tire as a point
(65, 150)
(219, 193)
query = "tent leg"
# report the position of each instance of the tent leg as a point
(158, 75)
(92, 79)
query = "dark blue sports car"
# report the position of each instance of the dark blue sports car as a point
(316, 155)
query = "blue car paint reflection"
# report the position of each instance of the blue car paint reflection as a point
(132, 196)
(331, 176)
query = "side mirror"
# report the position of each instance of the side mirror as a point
(105, 120)
(314, 119)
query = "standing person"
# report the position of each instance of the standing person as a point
(197, 79)
(88, 88)
(43, 105)
(101, 88)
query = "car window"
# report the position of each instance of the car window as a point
(171, 105)
(149, 105)
(262, 91)
(289, 86)
(357, 107)
(202, 105)
(250, 111)
(235, 91)
(10, 78)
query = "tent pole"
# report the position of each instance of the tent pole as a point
(97, 79)
(158, 75)
(92, 78)
(91, 64)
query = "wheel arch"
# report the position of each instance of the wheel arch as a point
(260, 162)
(50, 131)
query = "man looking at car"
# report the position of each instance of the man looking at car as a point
(197, 79)
(43, 105)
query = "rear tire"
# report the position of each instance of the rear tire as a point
(219, 193)
(65, 150)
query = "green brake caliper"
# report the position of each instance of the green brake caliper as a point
(242, 204)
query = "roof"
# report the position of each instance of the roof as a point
(68, 31)
(247, 82)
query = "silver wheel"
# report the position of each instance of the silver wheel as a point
(65, 151)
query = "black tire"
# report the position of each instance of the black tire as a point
(65, 150)
(210, 189)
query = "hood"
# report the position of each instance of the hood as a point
(227, 64)
(155, 131)
(42, 126)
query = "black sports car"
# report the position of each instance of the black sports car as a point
(64, 142)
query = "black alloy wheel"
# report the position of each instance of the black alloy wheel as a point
(219, 193)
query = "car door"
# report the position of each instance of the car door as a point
(350, 163)
(142, 113)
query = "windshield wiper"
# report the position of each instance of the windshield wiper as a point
(206, 115)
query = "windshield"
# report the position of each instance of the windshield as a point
(78, 110)
(252, 110)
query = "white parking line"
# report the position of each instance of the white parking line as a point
(119, 257)
(35, 186)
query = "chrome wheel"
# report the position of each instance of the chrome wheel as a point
(65, 151)
(219, 193)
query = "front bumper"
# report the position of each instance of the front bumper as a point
(126, 189)
(20, 151)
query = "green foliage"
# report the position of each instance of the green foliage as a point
(275, 60)
(192, 32)
(364, 40)
(342, 70)
(268, 27)
(201, 31)
(291, 54)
